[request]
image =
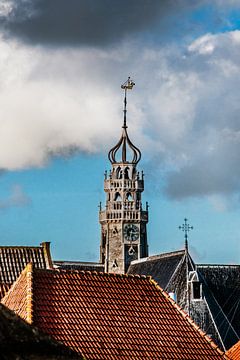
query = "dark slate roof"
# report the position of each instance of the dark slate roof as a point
(160, 267)
(13, 259)
(19, 340)
(222, 292)
(220, 285)
(78, 265)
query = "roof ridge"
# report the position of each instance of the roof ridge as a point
(20, 247)
(77, 262)
(29, 269)
(187, 317)
(218, 265)
(89, 272)
(13, 286)
(176, 269)
(155, 257)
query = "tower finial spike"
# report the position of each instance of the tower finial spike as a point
(128, 85)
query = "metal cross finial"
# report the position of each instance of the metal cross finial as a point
(128, 85)
(186, 228)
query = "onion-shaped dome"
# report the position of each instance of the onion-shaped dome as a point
(124, 151)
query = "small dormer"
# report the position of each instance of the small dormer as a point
(195, 286)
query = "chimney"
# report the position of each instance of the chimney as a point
(47, 254)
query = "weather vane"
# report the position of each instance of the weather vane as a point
(128, 85)
(186, 228)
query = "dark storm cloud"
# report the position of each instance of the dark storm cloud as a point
(215, 173)
(91, 22)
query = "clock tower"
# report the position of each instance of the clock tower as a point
(123, 220)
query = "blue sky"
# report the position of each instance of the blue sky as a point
(61, 111)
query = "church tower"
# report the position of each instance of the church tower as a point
(123, 221)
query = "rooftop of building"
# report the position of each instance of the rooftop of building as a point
(161, 267)
(234, 352)
(78, 265)
(13, 259)
(220, 284)
(108, 316)
(19, 340)
(222, 290)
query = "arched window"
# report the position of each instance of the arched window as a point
(126, 173)
(117, 197)
(119, 173)
(129, 197)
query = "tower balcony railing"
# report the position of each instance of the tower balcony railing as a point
(107, 215)
(123, 184)
(126, 205)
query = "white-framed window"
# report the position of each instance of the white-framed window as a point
(195, 286)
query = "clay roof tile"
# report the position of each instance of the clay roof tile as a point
(109, 316)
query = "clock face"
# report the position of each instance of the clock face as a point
(131, 232)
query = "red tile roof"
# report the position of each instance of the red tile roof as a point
(108, 316)
(13, 259)
(234, 352)
(19, 340)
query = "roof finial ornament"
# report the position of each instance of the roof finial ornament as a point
(186, 228)
(128, 85)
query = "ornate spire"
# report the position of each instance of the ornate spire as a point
(125, 147)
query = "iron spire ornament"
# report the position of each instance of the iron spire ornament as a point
(128, 85)
(185, 227)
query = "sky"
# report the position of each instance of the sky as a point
(61, 67)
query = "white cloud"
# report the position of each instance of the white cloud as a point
(203, 45)
(184, 110)
(49, 103)
(208, 43)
